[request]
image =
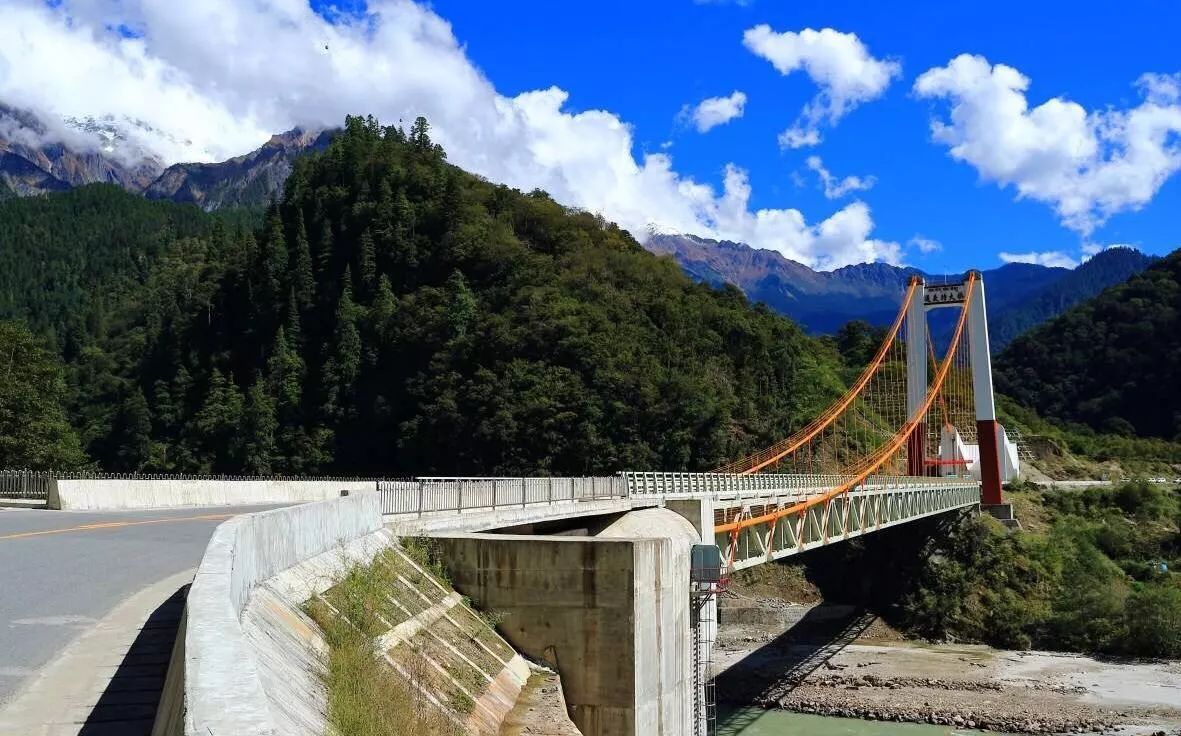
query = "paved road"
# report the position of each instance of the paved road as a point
(62, 571)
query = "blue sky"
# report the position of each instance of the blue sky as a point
(589, 101)
(645, 60)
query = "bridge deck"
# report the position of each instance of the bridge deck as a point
(795, 511)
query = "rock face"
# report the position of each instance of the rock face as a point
(35, 161)
(252, 179)
(31, 162)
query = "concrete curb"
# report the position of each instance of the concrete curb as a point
(112, 494)
(214, 669)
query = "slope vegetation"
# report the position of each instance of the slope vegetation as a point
(1110, 267)
(1111, 364)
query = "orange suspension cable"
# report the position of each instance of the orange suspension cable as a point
(883, 455)
(759, 460)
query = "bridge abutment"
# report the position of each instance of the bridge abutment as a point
(610, 613)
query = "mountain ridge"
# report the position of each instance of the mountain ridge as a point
(33, 161)
(823, 301)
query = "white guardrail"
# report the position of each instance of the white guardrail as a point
(426, 495)
(459, 494)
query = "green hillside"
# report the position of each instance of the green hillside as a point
(1107, 268)
(1111, 364)
(397, 315)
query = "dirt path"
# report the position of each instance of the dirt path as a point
(540, 710)
(831, 660)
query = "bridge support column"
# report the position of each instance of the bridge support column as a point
(987, 429)
(609, 612)
(916, 375)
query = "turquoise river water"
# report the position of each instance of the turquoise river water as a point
(759, 722)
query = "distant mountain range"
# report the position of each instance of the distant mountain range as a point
(31, 163)
(1020, 295)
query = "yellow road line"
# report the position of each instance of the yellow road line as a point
(115, 525)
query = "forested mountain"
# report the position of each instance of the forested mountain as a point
(1108, 267)
(1112, 363)
(824, 300)
(396, 315)
(68, 259)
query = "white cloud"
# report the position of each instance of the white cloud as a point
(925, 245)
(1053, 258)
(839, 63)
(200, 86)
(715, 111)
(1088, 165)
(836, 188)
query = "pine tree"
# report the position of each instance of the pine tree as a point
(420, 134)
(218, 425)
(344, 364)
(302, 281)
(367, 264)
(133, 432)
(385, 304)
(285, 376)
(274, 263)
(463, 306)
(34, 432)
(325, 245)
(293, 322)
(348, 340)
(259, 427)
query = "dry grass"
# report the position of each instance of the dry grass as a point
(366, 696)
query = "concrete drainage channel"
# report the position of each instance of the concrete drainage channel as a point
(248, 660)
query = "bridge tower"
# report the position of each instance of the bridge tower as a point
(990, 435)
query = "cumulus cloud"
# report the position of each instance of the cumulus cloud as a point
(193, 83)
(835, 188)
(840, 65)
(715, 111)
(1052, 258)
(925, 245)
(1088, 165)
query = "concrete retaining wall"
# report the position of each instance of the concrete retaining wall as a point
(215, 668)
(126, 493)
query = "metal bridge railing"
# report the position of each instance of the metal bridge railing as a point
(673, 484)
(25, 484)
(441, 494)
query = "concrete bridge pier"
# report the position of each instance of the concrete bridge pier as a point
(611, 612)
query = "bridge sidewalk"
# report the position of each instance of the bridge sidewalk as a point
(108, 681)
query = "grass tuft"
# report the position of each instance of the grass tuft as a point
(366, 696)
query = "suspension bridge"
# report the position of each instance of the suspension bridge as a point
(914, 436)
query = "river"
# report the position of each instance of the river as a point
(759, 722)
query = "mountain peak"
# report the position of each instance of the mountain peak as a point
(298, 138)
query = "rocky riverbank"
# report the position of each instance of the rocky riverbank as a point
(832, 661)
